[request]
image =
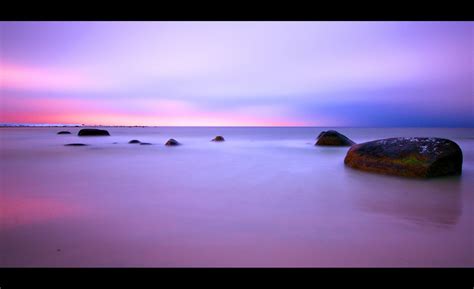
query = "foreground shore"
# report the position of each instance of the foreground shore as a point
(264, 197)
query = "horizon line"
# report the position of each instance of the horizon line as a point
(202, 126)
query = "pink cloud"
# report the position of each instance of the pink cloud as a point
(33, 78)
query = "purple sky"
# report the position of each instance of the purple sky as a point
(238, 73)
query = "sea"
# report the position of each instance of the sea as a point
(265, 197)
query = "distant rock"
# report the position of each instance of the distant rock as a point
(218, 138)
(93, 132)
(64, 132)
(408, 157)
(172, 142)
(75, 145)
(333, 138)
(145, 143)
(134, 141)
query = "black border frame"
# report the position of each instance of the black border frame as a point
(238, 11)
(237, 277)
(241, 277)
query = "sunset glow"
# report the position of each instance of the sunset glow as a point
(237, 73)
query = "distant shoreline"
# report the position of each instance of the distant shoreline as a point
(165, 126)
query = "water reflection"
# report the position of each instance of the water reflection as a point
(16, 211)
(254, 200)
(434, 202)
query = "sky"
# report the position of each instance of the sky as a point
(369, 74)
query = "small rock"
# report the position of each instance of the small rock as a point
(93, 132)
(64, 132)
(172, 142)
(218, 138)
(75, 144)
(333, 138)
(134, 141)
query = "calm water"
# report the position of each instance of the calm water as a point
(265, 197)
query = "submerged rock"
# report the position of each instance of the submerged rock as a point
(134, 141)
(408, 157)
(333, 138)
(172, 142)
(64, 132)
(145, 143)
(75, 145)
(93, 132)
(218, 138)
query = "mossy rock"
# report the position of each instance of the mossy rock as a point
(408, 157)
(333, 138)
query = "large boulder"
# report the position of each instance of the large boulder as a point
(408, 157)
(218, 138)
(172, 142)
(92, 132)
(333, 138)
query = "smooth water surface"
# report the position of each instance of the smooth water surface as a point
(264, 197)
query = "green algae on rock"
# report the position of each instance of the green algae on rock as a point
(408, 157)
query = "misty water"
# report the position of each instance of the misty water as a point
(264, 197)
